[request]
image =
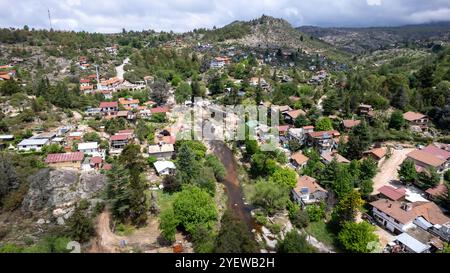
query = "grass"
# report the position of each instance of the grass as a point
(321, 232)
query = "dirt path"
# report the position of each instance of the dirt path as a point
(145, 239)
(119, 69)
(388, 170)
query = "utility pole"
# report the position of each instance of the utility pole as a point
(50, 20)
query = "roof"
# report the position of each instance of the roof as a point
(378, 152)
(299, 158)
(87, 146)
(283, 128)
(392, 193)
(441, 153)
(412, 243)
(64, 157)
(309, 127)
(5, 77)
(123, 113)
(107, 167)
(110, 104)
(431, 212)
(296, 113)
(340, 159)
(125, 132)
(153, 149)
(427, 158)
(6, 137)
(322, 134)
(412, 116)
(85, 80)
(75, 134)
(33, 141)
(119, 137)
(128, 101)
(307, 182)
(395, 210)
(96, 160)
(350, 123)
(159, 110)
(162, 165)
(440, 190)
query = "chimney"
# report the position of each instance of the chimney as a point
(407, 206)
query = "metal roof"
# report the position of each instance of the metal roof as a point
(33, 141)
(412, 243)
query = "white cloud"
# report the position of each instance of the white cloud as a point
(183, 15)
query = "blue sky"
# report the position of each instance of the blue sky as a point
(184, 15)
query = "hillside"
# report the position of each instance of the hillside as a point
(360, 40)
(270, 32)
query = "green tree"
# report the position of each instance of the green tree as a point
(183, 93)
(294, 242)
(168, 225)
(357, 237)
(428, 178)
(301, 121)
(284, 177)
(316, 212)
(347, 208)
(368, 168)
(407, 171)
(300, 218)
(270, 196)
(359, 141)
(217, 166)
(193, 206)
(324, 124)
(397, 121)
(234, 236)
(159, 91)
(81, 227)
(187, 164)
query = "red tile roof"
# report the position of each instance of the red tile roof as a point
(321, 134)
(412, 116)
(107, 167)
(441, 153)
(96, 160)
(283, 128)
(299, 158)
(350, 123)
(392, 193)
(64, 157)
(159, 110)
(427, 158)
(119, 137)
(106, 104)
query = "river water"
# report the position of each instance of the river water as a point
(231, 182)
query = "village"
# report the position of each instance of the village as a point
(403, 195)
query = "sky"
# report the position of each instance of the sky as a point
(110, 16)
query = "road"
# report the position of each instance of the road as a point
(388, 170)
(119, 69)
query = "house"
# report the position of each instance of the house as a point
(291, 116)
(392, 193)
(32, 144)
(308, 191)
(107, 94)
(283, 129)
(440, 191)
(378, 154)
(323, 141)
(164, 167)
(95, 162)
(405, 243)
(365, 109)
(89, 148)
(159, 110)
(47, 135)
(441, 153)
(416, 120)
(118, 141)
(161, 151)
(93, 111)
(348, 124)
(129, 103)
(423, 160)
(297, 134)
(75, 136)
(398, 216)
(220, 62)
(65, 160)
(109, 108)
(299, 160)
(328, 157)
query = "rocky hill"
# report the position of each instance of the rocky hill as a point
(362, 40)
(270, 32)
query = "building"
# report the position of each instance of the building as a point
(378, 154)
(32, 144)
(89, 148)
(440, 191)
(423, 160)
(109, 108)
(220, 62)
(392, 193)
(348, 124)
(308, 191)
(365, 109)
(118, 141)
(398, 216)
(161, 151)
(65, 160)
(405, 243)
(164, 167)
(416, 120)
(291, 116)
(129, 103)
(96, 162)
(299, 160)
(327, 158)
(324, 141)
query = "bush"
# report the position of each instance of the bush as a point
(316, 212)
(300, 219)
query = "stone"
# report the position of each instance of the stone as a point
(60, 221)
(41, 221)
